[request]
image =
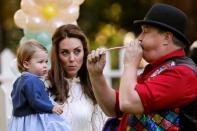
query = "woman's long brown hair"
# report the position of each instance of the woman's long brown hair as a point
(59, 86)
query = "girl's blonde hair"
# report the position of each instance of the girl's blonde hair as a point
(26, 51)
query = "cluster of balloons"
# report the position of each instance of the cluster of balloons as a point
(40, 18)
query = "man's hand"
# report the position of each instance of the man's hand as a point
(133, 54)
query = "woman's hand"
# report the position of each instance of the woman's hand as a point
(96, 61)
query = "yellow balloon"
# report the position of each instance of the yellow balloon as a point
(49, 11)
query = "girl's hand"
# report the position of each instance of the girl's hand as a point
(58, 109)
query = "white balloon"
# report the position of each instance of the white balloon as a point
(29, 7)
(43, 2)
(78, 2)
(54, 24)
(73, 9)
(23, 40)
(35, 23)
(20, 18)
(64, 3)
(74, 23)
(69, 14)
(72, 13)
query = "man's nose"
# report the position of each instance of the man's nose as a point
(140, 37)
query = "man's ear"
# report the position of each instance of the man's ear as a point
(167, 38)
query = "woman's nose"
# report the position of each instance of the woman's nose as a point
(72, 57)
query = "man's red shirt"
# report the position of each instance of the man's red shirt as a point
(172, 88)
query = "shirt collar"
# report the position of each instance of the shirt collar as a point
(74, 79)
(28, 73)
(176, 53)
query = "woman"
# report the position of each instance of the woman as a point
(70, 83)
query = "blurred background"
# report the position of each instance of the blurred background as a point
(107, 23)
(104, 21)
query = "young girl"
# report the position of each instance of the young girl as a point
(32, 108)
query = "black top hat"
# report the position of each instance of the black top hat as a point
(167, 17)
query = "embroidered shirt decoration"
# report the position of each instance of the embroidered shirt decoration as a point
(162, 68)
(160, 121)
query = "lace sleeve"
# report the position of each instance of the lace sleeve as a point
(98, 119)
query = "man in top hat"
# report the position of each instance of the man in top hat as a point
(152, 100)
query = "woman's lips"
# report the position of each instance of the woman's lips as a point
(72, 67)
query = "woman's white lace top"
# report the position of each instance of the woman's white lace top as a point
(79, 110)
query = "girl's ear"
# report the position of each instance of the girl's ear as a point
(26, 65)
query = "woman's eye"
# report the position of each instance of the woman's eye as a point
(65, 53)
(77, 51)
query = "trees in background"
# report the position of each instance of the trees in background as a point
(10, 35)
(104, 21)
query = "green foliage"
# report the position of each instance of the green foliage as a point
(11, 35)
(95, 14)
(108, 36)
